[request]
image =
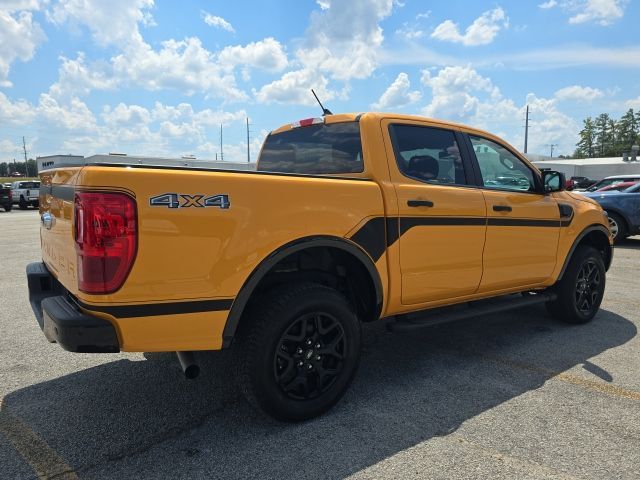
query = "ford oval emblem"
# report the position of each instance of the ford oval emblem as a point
(47, 220)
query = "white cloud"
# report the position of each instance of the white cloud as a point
(461, 94)
(218, 22)
(409, 32)
(75, 115)
(578, 93)
(633, 103)
(267, 54)
(111, 23)
(19, 38)
(76, 78)
(295, 88)
(604, 12)
(344, 37)
(19, 112)
(481, 32)
(183, 65)
(398, 94)
(547, 5)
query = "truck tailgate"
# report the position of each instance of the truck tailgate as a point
(56, 227)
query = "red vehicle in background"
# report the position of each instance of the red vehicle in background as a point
(617, 186)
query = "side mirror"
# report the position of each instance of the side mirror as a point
(553, 181)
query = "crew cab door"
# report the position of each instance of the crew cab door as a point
(523, 224)
(442, 215)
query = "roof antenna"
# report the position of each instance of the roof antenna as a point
(325, 111)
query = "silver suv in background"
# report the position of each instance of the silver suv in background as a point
(25, 193)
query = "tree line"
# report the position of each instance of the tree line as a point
(605, 136)
(28, 168)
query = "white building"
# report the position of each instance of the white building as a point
(594, 168)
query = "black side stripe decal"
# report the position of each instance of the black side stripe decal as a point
(62, 192)
(155, 309)
(373, 236)
(406, 223)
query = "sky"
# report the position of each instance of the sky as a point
(160, 77)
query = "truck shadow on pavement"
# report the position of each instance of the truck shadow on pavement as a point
(143, 419)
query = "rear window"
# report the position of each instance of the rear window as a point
(316, 149)
(29, 185)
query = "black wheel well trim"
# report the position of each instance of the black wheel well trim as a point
(579, 238)
(251, 283)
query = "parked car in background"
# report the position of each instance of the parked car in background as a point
(26, 193)
(581, 182)
(6, 200)
(623, 209)
(611, 180)
(617, 186)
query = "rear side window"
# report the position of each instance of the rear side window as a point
(317, 149)
(428, 154)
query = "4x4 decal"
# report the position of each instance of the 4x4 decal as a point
(183, 200)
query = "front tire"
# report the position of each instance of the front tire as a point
(8, 207)
(618, 227)
(23, 204)
(298, 351)
(581, 289)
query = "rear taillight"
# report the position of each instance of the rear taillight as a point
(106, 240)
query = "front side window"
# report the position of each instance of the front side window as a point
(428, 154)
(501, 169)
(319, 149)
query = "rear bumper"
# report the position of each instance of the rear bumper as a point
(61, 319)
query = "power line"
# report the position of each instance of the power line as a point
(526, 130)
(248, 150)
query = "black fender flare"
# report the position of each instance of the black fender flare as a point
(576, 242)
(249, 286)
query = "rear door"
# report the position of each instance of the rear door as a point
(442, 217)
(523, 224)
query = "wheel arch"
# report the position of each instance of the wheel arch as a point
(256, 279)
(596, 236)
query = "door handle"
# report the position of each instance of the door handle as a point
(501, 208)
(419, 203)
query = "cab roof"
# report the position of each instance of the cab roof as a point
(352, 117)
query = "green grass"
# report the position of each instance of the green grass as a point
(16, 179)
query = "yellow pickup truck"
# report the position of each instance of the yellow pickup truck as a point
(348, 218)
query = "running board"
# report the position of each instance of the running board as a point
(436, 316)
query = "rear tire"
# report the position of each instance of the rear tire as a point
(298, 351)
(618, 227)
(581, 288)
(7, 208)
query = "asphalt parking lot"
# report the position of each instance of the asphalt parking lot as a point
(515, 395)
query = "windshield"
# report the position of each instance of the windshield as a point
(317, 149)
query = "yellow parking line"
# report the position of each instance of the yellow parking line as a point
(45, 462)
(565, 377)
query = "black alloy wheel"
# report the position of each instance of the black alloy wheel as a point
(587, 287)
(311, 356)
(580, 290)
(297, 350)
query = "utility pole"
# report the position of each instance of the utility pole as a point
(24, 149)
(551, 146)
(221, 153)
(248, 152)
(526, 130)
